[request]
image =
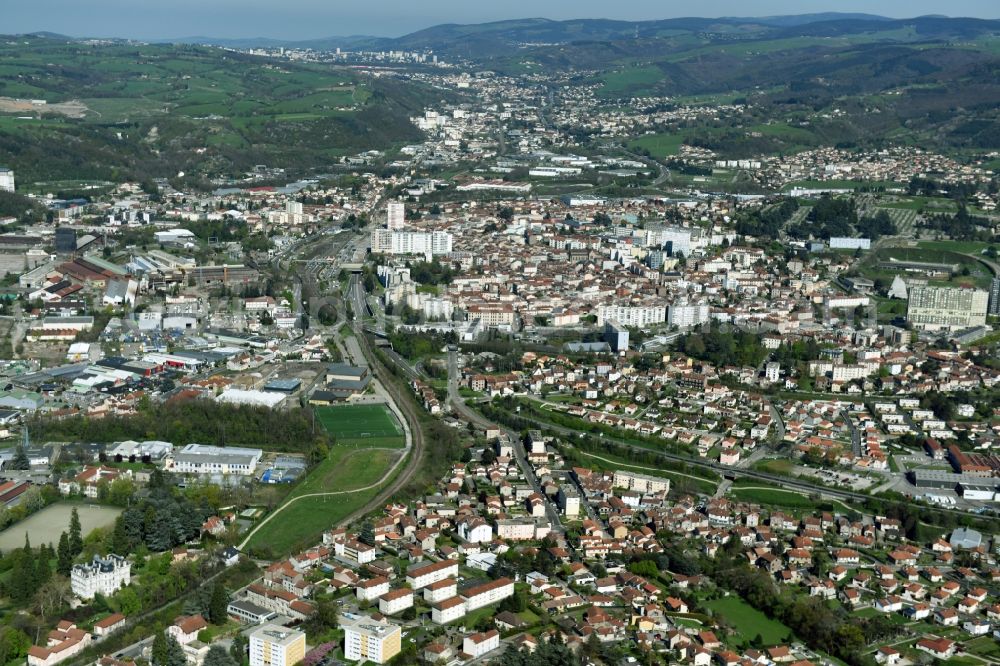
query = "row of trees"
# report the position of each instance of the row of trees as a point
(70, 544)
(192, 421)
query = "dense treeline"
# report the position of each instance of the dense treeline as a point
(34, 499)
(548, 653)
(961, 226)
(929, 187)
(418, 345)
(201, 421)
(501, 411)
(877, 225)
(160, 521)
(19, 206)
(723, 347)
(432, 272)
(830, 216)
(767, 222)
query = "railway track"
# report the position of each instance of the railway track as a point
(408, 407)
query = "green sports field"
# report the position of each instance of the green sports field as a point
(364, 425)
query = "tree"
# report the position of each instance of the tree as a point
(75, 534)
(22, 581)
(218, 656)
(217, 605)
(167, 651)
(14, 644)
(128, 601)
(43, 570)
(64, 562)
(20, 460)
(52, 596)
(238, 650)
(119, 537)
(158, 653)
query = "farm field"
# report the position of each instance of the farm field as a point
(748, 621)
(963, 247)
(630, 80)
(346, 469)
(372, 426)
(46, 525)
(658, 145)
(302, 523)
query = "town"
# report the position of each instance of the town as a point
(568, 379)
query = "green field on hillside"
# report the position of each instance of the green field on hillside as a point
(658, 145)
(630, 80)
(302, 520)
(145, 108)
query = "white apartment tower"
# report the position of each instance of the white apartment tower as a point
(6, 180)
(936, 308)
(395, 216)
(367, 639)
(427, 243)
(274, 645)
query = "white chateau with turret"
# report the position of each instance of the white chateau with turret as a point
(101, 576)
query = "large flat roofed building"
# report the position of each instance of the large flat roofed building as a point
(367, 639)
(385, 241)
(204, 459)
(227, 274)
(424, 574)
(948, 308)
(273, 645)
(632, 315)
(642, 483)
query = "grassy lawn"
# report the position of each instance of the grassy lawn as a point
(302, 521)
(964, 247)
(780, 466)
(772, 497)
(984, 646)
(834, 184)
(748, 621)
(678, 482)
(346, 469)
(363, 425)
(631, 80)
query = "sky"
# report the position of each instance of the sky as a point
(310, 19)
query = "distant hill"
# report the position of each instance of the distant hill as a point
(323, 43)
(156, 110)
(803, 19)
(487, 40)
